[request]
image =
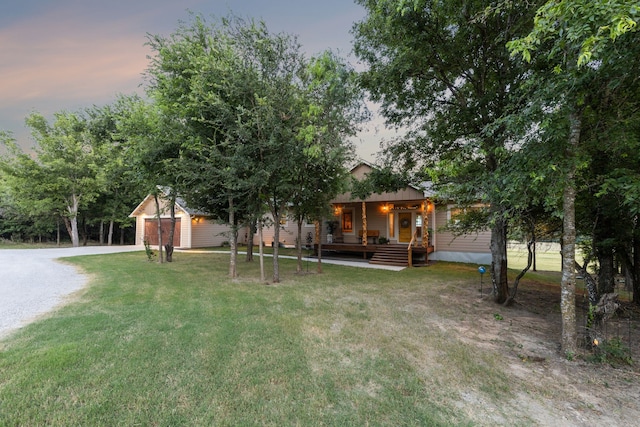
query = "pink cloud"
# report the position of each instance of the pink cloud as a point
(59, 57)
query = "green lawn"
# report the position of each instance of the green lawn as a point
(181, 344)
(547, 259)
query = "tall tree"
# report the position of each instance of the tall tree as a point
(199, 75)
(440, 70)
(256, 115)
(574, 36)
(151, 146)
(22, 217)
(122, 191)
(334, 110)
(64, 176)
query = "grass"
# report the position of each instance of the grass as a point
(7, 244)
(548, 256)
(181, 344)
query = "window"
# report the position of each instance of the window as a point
(392, 225)
(347, 221)
(454, 214)
(283, 220)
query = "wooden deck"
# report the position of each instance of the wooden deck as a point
(368, 252)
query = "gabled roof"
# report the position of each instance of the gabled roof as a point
(180, 204)
(426, 187)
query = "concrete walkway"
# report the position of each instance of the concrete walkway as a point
(348, 263)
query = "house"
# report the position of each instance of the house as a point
(193, 229)
(408, 216)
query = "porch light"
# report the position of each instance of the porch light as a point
(337, 210)
(429, 207)
(385, 208)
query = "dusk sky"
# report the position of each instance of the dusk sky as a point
(66, 55)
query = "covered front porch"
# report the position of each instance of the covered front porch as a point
(373, 222)
(387, 230)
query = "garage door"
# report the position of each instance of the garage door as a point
(151, 231)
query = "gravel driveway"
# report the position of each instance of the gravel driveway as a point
(32, 282)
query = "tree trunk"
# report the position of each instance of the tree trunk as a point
(635, 271)
(101, 233)
(319, 242)
(364, 223)
(233, 241)
(73, 220)
(275, 211)
(110, 234)
(172, 228)
(568, 283)
(592, 287)
(592, 291)
(160, 254)
(67, 225)
(261, 250)
(606, 281)
(499, 258)
(514, 289)
(58, 231)
(299, 246)
(251, 227)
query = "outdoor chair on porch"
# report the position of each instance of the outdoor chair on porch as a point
(371, 234)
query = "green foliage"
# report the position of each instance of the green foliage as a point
(440, 70)
(612, 351)
(123, 188)
(379, 180)
(468, 218)
(148, 251)
(332, 225)
(265, 128)
(64, 177)
(590, 26)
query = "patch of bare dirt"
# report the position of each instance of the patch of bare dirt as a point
(551, 389)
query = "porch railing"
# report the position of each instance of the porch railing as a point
(414, 240)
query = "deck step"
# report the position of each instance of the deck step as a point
(391, 255)
(396, 255)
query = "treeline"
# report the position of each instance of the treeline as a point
(239, 123)
(76, 185)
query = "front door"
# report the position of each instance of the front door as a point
(404, 225)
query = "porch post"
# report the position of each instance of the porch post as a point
(425, 231)
(364, 223)
(425, 224)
